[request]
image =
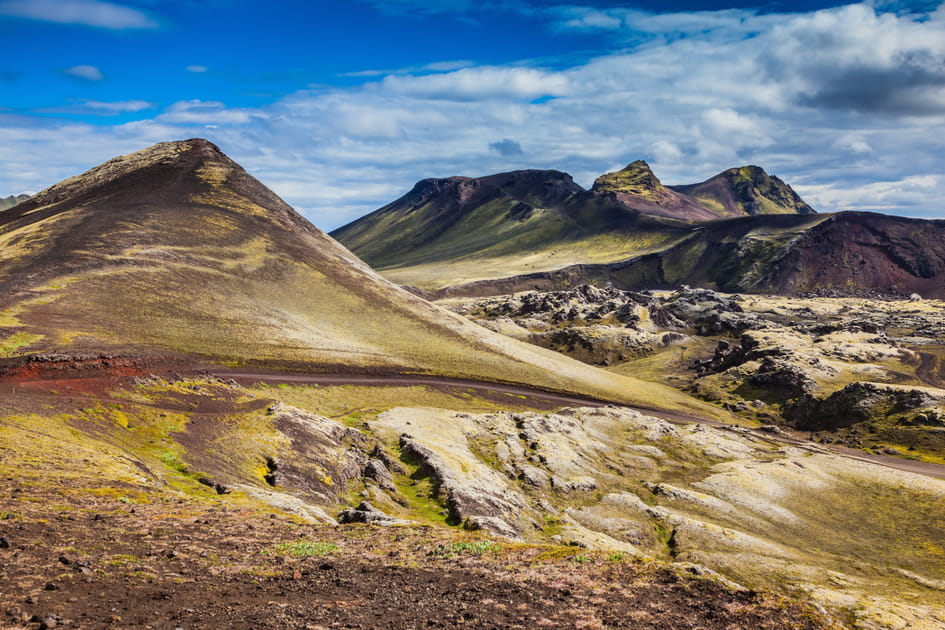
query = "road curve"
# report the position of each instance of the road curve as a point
(780, 437)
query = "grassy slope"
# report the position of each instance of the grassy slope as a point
(176, 250)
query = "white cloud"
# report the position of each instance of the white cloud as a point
(881, 196)
(196, 112)
(748, 89)
(853, 142)
(196, 69)
(118, 107)
(481, 83)
(86, 12)
(437, 66)
(89, 73)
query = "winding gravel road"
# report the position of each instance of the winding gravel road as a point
(784, 437)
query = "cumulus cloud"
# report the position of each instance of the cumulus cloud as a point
(86, 12)
(101, 108)
(89, 73)
(775, 90)
(852, 58)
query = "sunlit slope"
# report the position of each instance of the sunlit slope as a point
(176, 250)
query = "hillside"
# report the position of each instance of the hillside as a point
(457, 230)
(849, 253)
(176, 251)
(212, 414)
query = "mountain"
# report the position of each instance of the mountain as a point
(746, 190)
(176, 252)
(849, 253)
(461, 229)
(12, 200)
(507, 223)
(636, 187)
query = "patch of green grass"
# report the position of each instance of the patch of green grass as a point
(552, 527)
(122, 559)
(475, 548)
(171, 460)
(10, 345)
(306, 548)
(422, 492)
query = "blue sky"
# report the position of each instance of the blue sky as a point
(341, 106)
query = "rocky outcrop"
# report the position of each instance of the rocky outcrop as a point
(368, 514)
(714, 502)
(865, 402)
(324, 458)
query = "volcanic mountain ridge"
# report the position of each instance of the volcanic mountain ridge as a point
(532, 221)
(628, 232)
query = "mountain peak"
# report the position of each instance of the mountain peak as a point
(636, 178)
(746, 190)
(182, 155)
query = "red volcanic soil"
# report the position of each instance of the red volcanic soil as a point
(88, 374)
(861, 251)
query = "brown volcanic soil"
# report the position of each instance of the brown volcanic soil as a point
(99, 563)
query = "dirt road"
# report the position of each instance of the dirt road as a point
(785, 437)
(250, 376)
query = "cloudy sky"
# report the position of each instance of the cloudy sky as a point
(341, 106)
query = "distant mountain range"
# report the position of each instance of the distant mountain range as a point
(12, 200)
(741, 230)
(747, 190)
(527, 211)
